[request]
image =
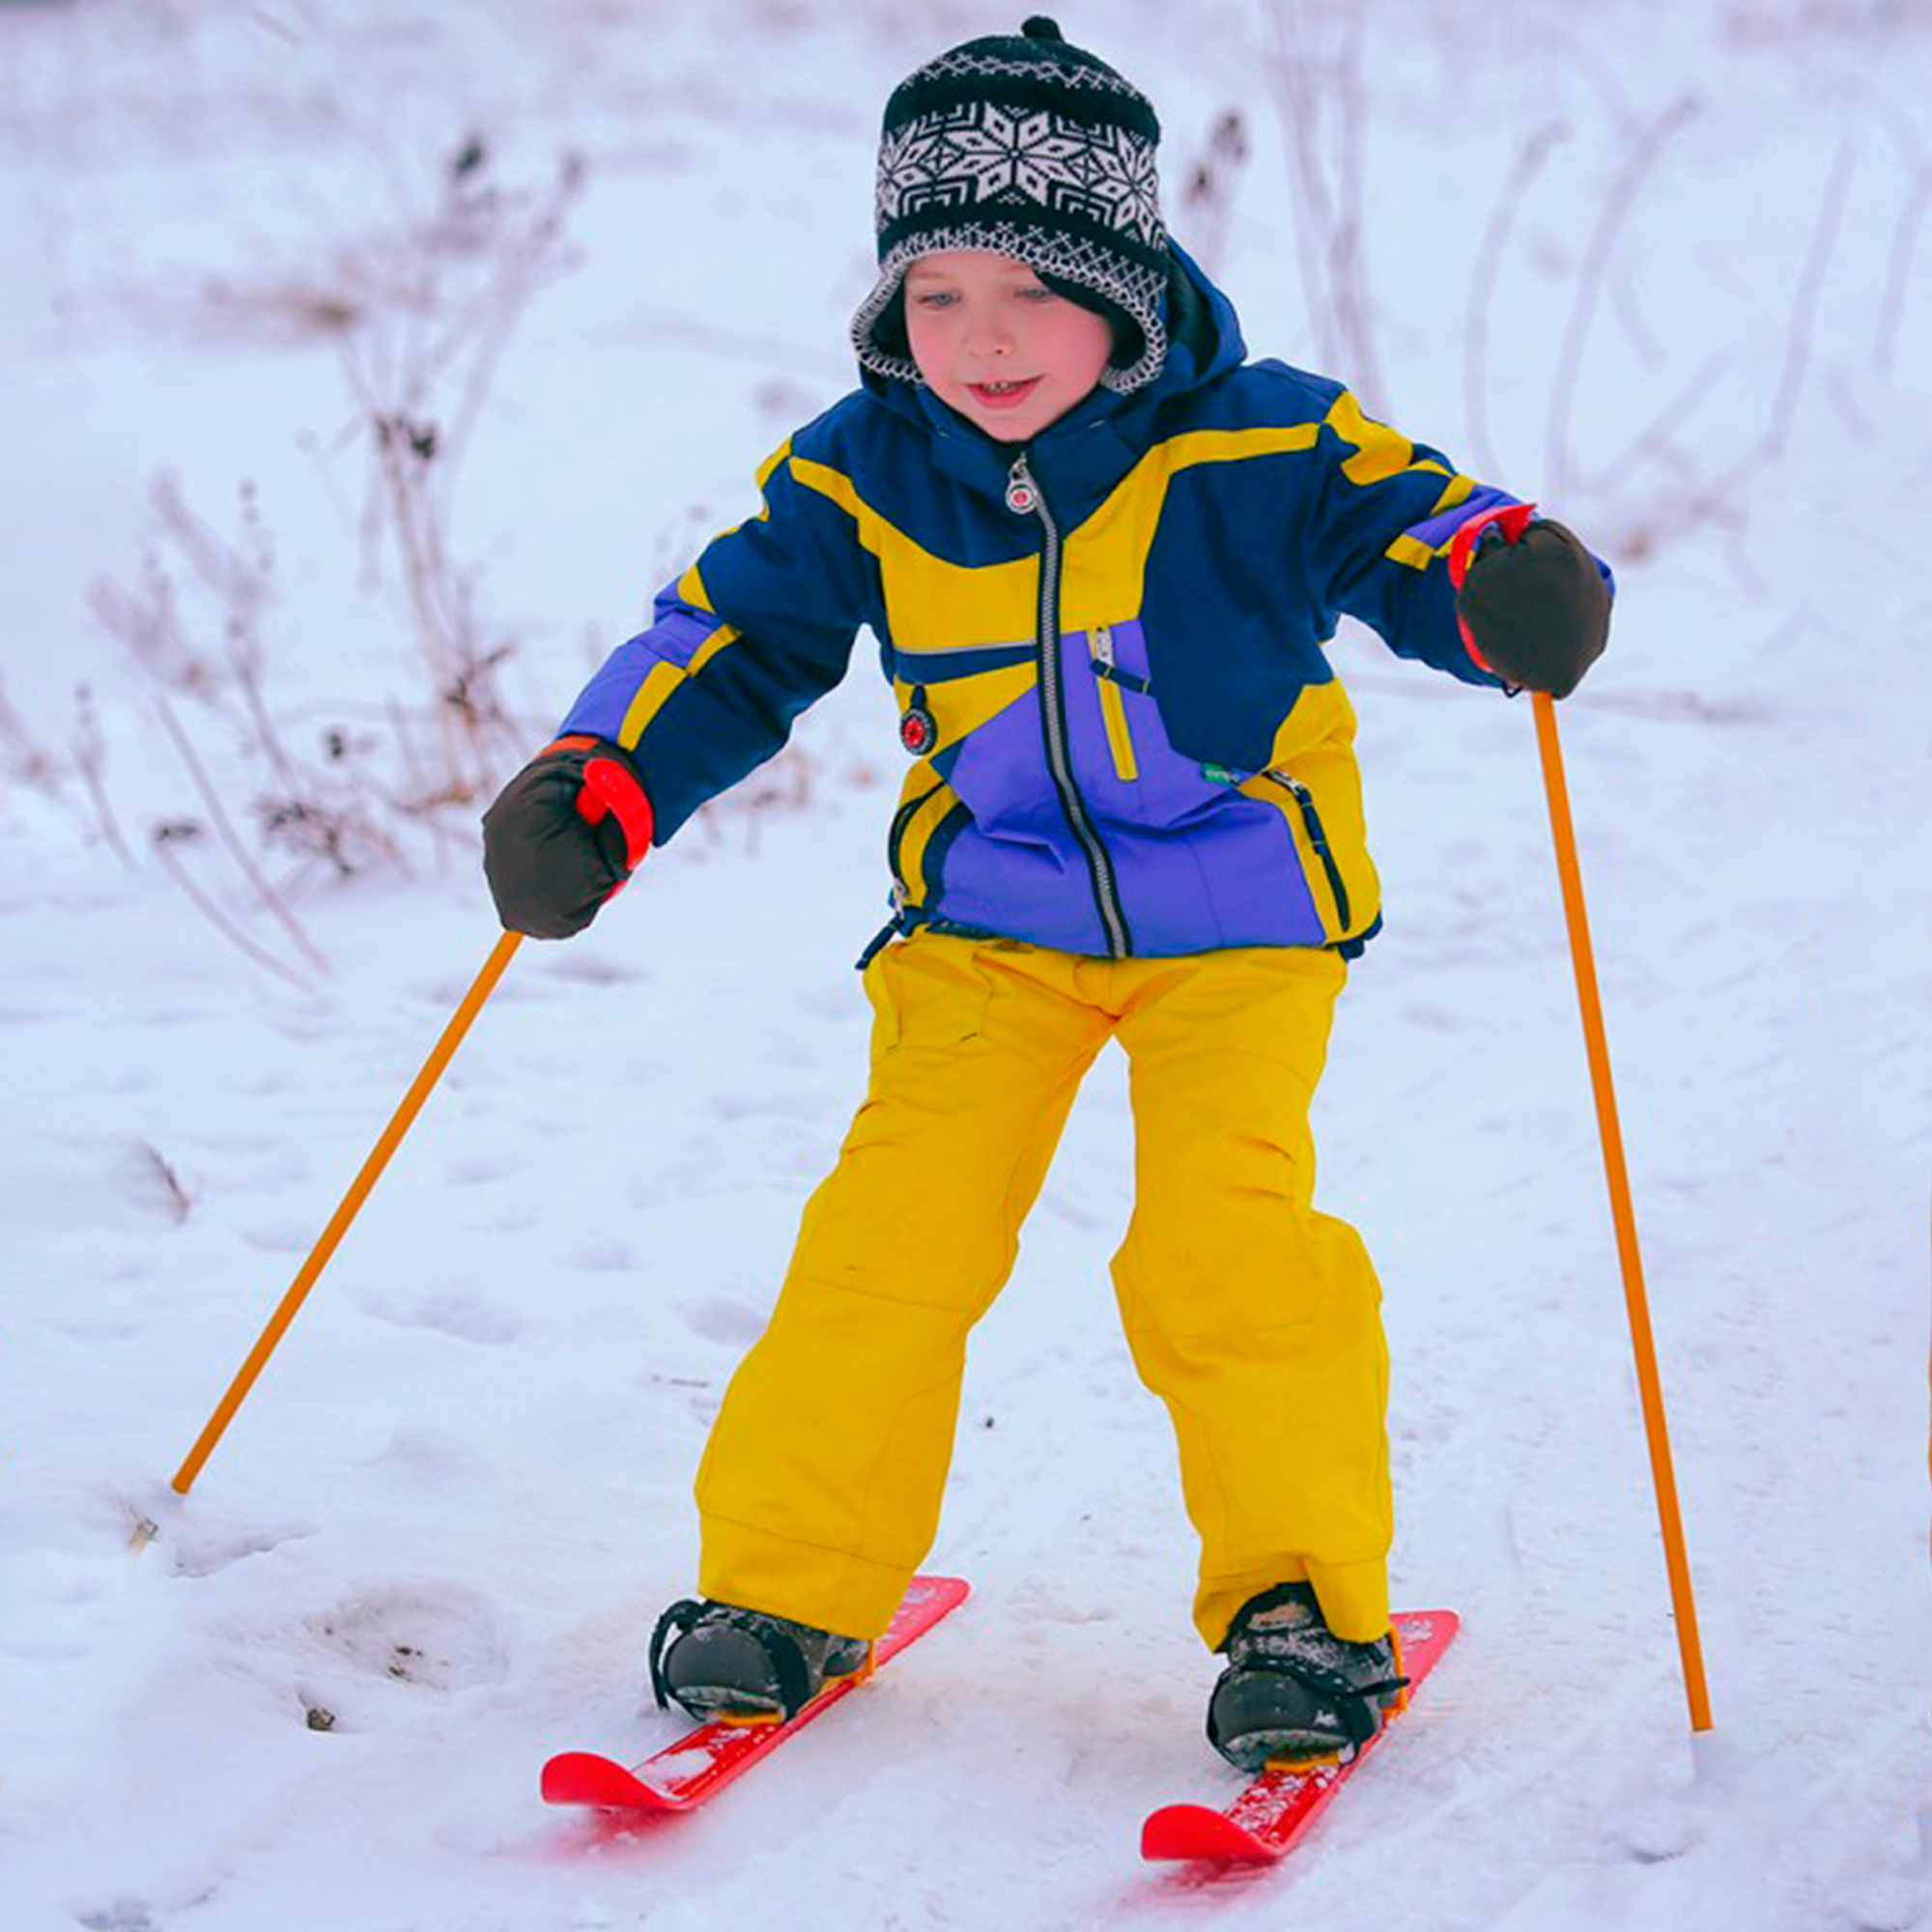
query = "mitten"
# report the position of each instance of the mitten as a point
(564, 834)
(1533, 605)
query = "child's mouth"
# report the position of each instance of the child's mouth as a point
(1003, 395)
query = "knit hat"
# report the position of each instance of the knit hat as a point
(1027, 145)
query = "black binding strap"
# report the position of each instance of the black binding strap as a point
(680, 1617)
(791, 1677)
(1361, 1716)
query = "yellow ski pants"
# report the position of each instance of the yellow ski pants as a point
(1255, 1319)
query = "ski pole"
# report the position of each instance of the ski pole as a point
(352, 1202)
(1678, 1563)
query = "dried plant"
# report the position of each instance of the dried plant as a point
(1483, 279)
(420, 370)
(90, 763)
(165, 837)
(27, 761)
(1682, 493)
(419, 325)
(1699, 500)
(1318, 71)
(1208, 189)
(1910, 226)
(156, 1180)
(1557, 468)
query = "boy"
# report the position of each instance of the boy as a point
(1101, 553)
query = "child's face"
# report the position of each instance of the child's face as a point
(998, 344)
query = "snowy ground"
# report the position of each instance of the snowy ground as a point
(461, 1493)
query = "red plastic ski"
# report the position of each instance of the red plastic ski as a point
(1271, 1815)
(703, 1761)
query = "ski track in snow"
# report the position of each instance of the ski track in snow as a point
(431, 1548)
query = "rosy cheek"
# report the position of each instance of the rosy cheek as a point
(924, 340)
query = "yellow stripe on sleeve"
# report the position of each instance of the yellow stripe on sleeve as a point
(663, 679)
(1231, 445)
(1380, 451)
(836, 485)
(769, 468)
(725, 634)
(1412, 551)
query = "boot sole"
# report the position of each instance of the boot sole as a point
(740, 1709)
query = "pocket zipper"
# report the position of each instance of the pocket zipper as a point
(1318, 839)
(1101, 646)
(895, 837)
(1113, 706)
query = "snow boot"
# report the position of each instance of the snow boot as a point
(745, 1665)
(1294, 1694)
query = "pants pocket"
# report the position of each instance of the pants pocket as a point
(929, 993)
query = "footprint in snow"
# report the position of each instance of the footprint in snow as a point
(112, 1182)
(286, 1237)
(478, 1170)
(1659, 1825)
(779, 1107)
(465, 1318)
(716, 1319)
(123, 1914)
(601, 1257)
(1032, 1604)
(434, 1459)
(439, 1639)
(1888, 1902)
(205, 1543)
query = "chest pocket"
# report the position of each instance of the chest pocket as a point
(1112, 680)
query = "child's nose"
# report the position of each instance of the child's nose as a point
(987, 334)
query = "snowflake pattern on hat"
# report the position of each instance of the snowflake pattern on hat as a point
(979, 155)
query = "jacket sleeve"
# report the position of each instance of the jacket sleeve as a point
(1377, 533)
(758, 629)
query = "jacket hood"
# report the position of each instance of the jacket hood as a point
(1080, 458)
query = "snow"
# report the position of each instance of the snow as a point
(446, 1517)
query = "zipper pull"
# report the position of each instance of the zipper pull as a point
(1022, 493)
(1101, 642)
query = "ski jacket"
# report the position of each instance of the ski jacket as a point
(1122, 730)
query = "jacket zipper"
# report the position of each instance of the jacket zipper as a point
(1318, 837)
(1025, 498)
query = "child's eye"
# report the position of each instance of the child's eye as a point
(932, 298)
(1040, 292)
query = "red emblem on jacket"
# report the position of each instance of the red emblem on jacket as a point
(918, 732)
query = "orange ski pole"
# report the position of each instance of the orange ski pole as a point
(352, 1202)
(1564, 832)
